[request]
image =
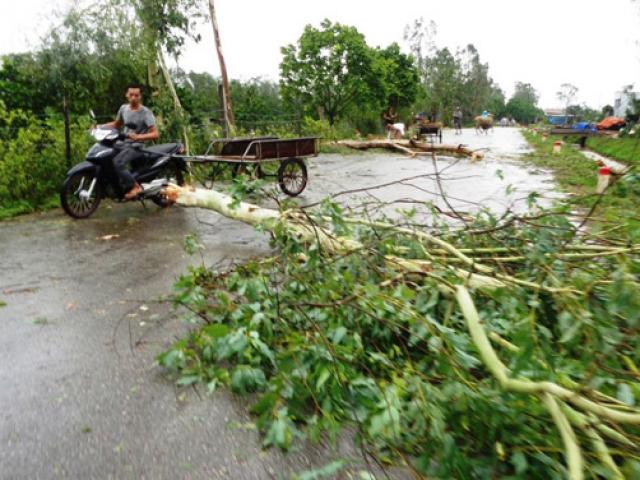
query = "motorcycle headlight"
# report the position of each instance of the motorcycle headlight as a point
(99, 134)
(103, 134)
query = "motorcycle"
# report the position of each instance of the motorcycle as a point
(88, 182)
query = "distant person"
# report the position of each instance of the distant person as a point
(139, 126)
(395, 131)
(457, 120)
(389, 116)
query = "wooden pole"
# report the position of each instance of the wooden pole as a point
(226, 97)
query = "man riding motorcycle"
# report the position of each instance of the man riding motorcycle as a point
(139, 126)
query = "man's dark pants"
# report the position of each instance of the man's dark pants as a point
(121, 163)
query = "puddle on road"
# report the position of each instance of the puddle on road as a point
(501, 181)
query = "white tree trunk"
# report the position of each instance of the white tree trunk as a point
(568, 407)
(174, 94)
(226, 97)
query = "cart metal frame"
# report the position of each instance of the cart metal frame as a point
(241, 152)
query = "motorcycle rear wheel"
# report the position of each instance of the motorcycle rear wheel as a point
(73, 195)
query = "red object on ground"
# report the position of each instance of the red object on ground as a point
(604, 171)
(611, 123)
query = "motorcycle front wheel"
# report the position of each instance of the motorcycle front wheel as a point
(80, 195)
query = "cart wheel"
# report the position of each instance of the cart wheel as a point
(292, 176)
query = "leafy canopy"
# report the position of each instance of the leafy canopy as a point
(330, 71)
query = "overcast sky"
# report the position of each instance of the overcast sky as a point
(590, 43)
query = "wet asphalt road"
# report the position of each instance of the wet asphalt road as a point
(80, 395)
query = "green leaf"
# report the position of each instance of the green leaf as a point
(329, 470)
(216, 330)
(625, 394)
(519, 462)
(188, 380)
(322, 378)
(173, 359)
(191, 244)
(339, 334)
(280, 432)
(264, 350)
(571, 331)
(246, 379)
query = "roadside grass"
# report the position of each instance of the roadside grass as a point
(624, 150)
(23, 207)
(618, 211)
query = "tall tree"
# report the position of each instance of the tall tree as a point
(522, 106)
(87, 57)
(420, 36)
(226, 97)
(496, 102)
(567, 95)
(199, 94)
(477, 86)
(443, 84)
(401, 78)
(330, 71)
(450, 80)
(166, 25)
(526, 93)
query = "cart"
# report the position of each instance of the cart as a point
(249, 156)
(429, 131)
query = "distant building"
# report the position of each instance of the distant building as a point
(556, 116)
(623, 102)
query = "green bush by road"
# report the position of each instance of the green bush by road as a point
(32, 162)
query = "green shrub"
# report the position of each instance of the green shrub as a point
(32, 160)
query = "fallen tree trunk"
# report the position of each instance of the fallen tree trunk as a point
(605, 421)
(412, 147)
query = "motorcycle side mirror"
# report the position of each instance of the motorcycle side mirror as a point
(93, 115)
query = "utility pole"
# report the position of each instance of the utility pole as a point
(229, 119)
